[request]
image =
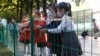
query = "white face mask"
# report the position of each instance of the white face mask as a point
(49, 12)
(59, 14)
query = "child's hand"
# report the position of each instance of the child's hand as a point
(44, 30)
(37, 27)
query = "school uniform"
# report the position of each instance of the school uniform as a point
(49, 18)
(54, 39)
(41, 40)
(71, 45)
(24, 34)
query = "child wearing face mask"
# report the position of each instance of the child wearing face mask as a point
(50, 14)
(59, 14)
(71, 45)
(54, 39)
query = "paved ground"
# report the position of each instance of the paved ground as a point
(90, 46)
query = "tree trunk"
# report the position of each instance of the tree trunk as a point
(18, 10)
(38, 4)
(44, 6)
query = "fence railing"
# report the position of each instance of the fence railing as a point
(82, 23)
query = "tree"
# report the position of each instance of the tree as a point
(16, 8)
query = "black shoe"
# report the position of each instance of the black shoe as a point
(95, 38)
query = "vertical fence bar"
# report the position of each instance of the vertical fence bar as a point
(84, 29)
(6, 42)
(14, 38)
(3, 34)
(32, 33)
(77, 22)
(1, 28)
(0, 35)
(91, 38)
(0, 32)
(32, 37)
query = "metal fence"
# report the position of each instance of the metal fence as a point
(83, 21)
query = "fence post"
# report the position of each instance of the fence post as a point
(6, 35)
(3, 37)
(3, 34)
(0, 33)
(32, 36)
(14, 25)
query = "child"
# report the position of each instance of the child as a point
(71, 45)
(96, 28)
(54, 38)
(24, 32)
(40, 39)
(11, 28)
(85, 34)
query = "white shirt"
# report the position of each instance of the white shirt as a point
(66, 25)
(49, 17)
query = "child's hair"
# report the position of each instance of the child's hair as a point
(42, 13)
(38, 13)
(66, 7)
(26, 15)
(34, 10)
(53, 7)
(10, 19)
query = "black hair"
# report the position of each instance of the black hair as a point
(66, 7)
(38, 13)
(54, 6)
(26, 15)
(10, 19)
